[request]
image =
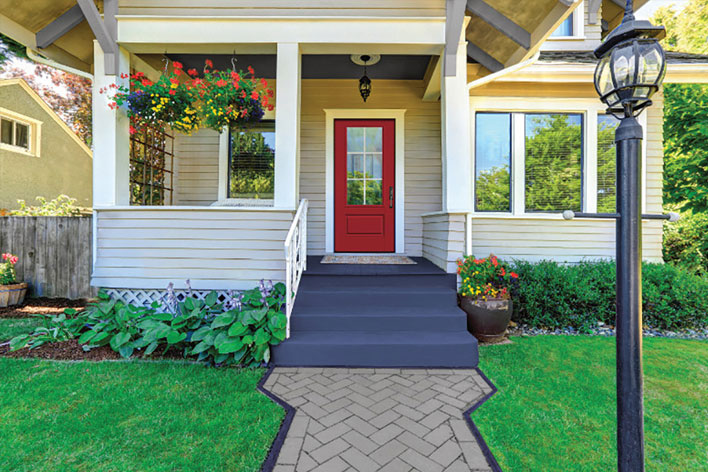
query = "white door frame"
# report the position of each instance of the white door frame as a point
(364, 114)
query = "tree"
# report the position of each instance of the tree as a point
(493, 189)
(67, 94)
(10, 48)
(686, 112)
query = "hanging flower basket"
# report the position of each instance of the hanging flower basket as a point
(231, 99)
(167, 102)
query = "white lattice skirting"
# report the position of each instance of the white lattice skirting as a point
(139, 297)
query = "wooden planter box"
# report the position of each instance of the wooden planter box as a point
(12, 294)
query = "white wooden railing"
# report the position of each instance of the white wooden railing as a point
(295, 257)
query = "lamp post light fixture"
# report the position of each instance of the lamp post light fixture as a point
(630, 70)
(365, 82)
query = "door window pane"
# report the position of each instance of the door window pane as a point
(364, 165)
(22, 135)
(493, 162)
(553, 162)
(252, 162)
(606, 167)
(6, 132)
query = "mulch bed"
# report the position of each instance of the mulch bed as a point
(63, 351)
(44, 306)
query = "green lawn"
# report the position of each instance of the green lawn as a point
(132, 415)
(11, 327)
(555, 409)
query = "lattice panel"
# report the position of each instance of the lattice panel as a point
(147, 297)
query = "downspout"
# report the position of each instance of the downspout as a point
(492, 77)
(48, 62)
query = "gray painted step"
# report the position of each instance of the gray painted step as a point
(375, 349)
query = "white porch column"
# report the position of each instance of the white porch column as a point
(287, 126)
(456, 154)
(111, 136)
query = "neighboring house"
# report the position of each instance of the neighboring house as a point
(469, 143)
(40, 156)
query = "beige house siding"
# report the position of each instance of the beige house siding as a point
(63, 166)
(197, 168)
(444, 239)
(423, 167)
(408, 8)
(214, 248)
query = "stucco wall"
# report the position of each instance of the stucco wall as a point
(62, 167)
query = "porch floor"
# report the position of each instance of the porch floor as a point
(360, 315)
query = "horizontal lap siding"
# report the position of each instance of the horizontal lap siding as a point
(197, 177)
(444, 239)
(214, 249)
(394, 8)
(423, 169)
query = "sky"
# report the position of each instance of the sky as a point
(651, 6)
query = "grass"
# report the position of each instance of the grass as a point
(132, 415)
(555, 409)
(11, 327)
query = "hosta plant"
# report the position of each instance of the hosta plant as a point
(55, 328)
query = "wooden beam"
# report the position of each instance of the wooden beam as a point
(431, 79)
(500, 22)
(454, 21)
(476, 53)
(105, 39)
(59, 27)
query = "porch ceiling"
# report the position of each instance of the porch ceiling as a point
(318, 66)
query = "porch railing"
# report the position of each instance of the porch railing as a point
(295, 258)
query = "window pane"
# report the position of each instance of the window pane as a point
(6, 131)
(355, 166)
(252, 163)
(554, 156)
(493, 162)
(373, 139)
(566, 28)
(373, 166)
(373, 192)
(355, 139)
(606, 169)
(22, 135)
(355, 192)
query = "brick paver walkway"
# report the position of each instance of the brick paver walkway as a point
(379, 419)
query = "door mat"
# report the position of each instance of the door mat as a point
(375, 259)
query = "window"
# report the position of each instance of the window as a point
(553, 162)
(493, 162)
(151, 164)
(566, 28)
(14, 133)
(606, 166)
(251, 168)
(364, 165)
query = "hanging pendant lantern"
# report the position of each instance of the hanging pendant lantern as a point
(365, 82)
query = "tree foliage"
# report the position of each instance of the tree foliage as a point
(10, 48)
(686, 31)
(67, 94)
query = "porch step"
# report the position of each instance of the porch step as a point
(376, 349)
(377, 316)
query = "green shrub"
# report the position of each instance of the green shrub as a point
(55, 328)
(239, 331)
(686, 244)
(554, 295)
(63, 205)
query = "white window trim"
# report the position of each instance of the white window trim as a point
(358, 114)
(578, 17)
(34, 137)
(588, 107)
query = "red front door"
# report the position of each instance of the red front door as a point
(364, 181)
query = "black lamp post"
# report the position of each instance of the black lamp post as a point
(630, 71)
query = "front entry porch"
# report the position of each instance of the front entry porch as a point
(360, 315)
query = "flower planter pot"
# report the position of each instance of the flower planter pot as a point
(487, 320)
(12, 294)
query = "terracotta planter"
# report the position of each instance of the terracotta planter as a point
(487, 320)
(12, 294)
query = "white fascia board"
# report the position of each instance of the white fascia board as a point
(138, 29)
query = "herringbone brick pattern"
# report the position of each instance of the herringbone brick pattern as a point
(379, 419)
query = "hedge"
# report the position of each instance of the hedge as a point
(555, 295)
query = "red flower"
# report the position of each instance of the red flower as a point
(133, 130)
(250, 70)
(264, 83)
(146, 82)
(208, 63)
(235, 76)
(503, 272)
(172, 92)
(174, 80)
(243, 94)
(124, 76)
(177, 65)
(193, 72)
(14, 260)
(254, 95)
(178, 72)
(236, 85)
(221, 83)
(514, 275)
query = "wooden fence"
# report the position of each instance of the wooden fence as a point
(55, 253)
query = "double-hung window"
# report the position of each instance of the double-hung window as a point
(542, 157)
(15, 134)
